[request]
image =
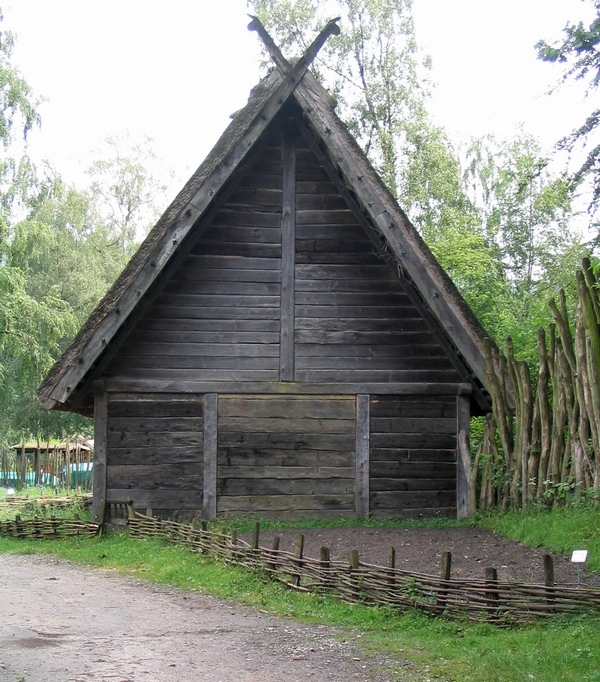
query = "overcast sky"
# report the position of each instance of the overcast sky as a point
(174, 70)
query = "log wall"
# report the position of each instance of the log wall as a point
(413, 456)
(155, 452)
(286, 455)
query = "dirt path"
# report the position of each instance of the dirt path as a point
(65, 623)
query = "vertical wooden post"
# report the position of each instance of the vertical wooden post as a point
(362, 492)
(354, 564)
(492, 595)
(272, 563)
(465, 491)
(324, 565)
(549, 578)
(100, 453)
(445, 572)
(288, 248)
(391, 563)
(298, 554)
(209, 479)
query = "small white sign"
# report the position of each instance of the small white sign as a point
(579, 556)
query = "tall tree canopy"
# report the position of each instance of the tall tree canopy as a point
(580, 51)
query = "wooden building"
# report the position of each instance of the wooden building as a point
(283, 342)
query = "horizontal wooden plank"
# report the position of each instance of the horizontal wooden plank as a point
(412, 441)
(198, 270)
(394, 455)
(155, 409)
(428, 425)
(175, 377)
(297, 503)
(413, 469)
(364, 351)
(272, 486)
(172, 500)
(432, 407)
(293, 425)
(124, 439)
(323, 311)
(224, 262)
(238, 249)
(154, 347)
(351, 232)
(319, 202)
(329, 246)
(147, 424)
(398, 325)
(223, 313)
(376, 375)
(387, 359)
(329, 258)
(258, 456)
(307, 441)
(241, 218)
(411, 484)
(245, 235)
(365, 337)
(155, 477)
(219, 301)
(363, 285)
(277, 406)
(255, 197)
(255, 180)
(147, 455)
(218, 342)
(356, 299)
(202, 331)
(242, 361)
(285, 473)
(315, 187)
(401, 500)
(220, 288)
(330, 271)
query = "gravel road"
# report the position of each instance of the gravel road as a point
(60, 622)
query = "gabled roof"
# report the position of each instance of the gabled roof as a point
(378, 207)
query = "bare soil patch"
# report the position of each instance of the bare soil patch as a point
(419, 550)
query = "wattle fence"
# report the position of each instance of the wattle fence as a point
(488, 600)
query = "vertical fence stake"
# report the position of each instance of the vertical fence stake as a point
(255, 535)
(298, 554)
(325, 565)
(272, 563)
(354, 562)
(445, 572)
(549, 578)
(492, 595)
(391, 563)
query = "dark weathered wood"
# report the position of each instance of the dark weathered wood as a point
(100, 455)
(298, 554)
(465, 486)
(288, 240)
(362, 456)
(445, 573)
(232, 487)
(194, 386)
(298, 504)
(209, 497)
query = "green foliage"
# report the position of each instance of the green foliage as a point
(580, 51)
(16, 99)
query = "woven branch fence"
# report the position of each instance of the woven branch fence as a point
(354, 581)
(47, 528)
